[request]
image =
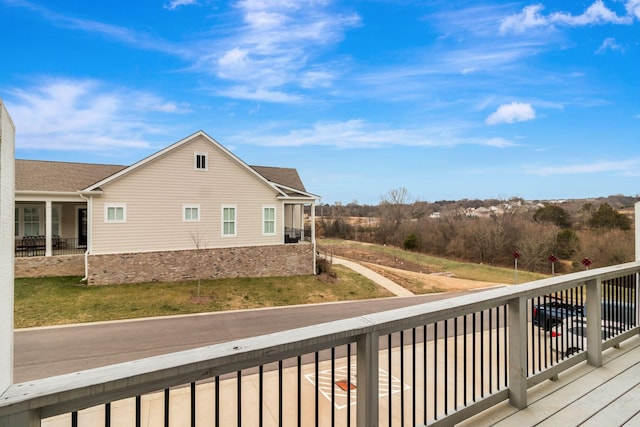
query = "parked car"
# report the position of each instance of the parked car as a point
(570, 336)
(551, 313)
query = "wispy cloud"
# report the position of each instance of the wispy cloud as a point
(510, 113)
(85, 115)
(609, 44)
(175, 4)
(625, 167)
(596, 14)
(277, 46)
(125, 35)
(500, 143)
(359, 133)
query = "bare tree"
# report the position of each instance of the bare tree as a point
(397, 206)
(200, 243)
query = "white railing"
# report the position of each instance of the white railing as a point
(435, 363)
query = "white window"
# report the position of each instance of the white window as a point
(31, 218)
(55, 220)
(228, 220)
(200, 161)
(115, 213)
(191, 213)
(269, 220)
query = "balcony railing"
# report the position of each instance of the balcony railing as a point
(296, 235)
(431, 364)
(36, 246)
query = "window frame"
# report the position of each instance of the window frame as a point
(224, 221)
(271, 220)
(196, 160)
(115, 206)
(190, 207)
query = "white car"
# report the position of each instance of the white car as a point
(570, 336)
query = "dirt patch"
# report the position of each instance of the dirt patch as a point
(422, 283)
(362, 255)
(412, 276)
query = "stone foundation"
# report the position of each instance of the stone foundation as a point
(41, 266)
(252, 261)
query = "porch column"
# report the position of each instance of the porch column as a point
(47, 228)
(7, 213)
(301, 218)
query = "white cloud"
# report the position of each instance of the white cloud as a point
(113, 32)
(510, 113)
(359, 133)
(609, 44)
(275, 48)
(258, 94)
(626, 167)
(633, 8)
(500, 143)
(84, 115)
(596, 14)
(174, 4)
(530, 17)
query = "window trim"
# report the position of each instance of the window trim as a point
(203, 154)
(264, 220)
(116, 206)
(235, 220)
(184, 212)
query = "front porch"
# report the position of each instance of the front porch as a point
(50, 227)
(298, 220)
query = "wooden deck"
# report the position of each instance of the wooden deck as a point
(582, 396)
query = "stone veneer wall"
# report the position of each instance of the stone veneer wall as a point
(41, 266)
(251, 261)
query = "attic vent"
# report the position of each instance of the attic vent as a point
(200, 161)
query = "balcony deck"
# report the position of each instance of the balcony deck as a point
(583, 395)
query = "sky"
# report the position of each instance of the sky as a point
(448, 99)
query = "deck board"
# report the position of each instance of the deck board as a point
(583, 395)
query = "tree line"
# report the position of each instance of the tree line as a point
(599, 230)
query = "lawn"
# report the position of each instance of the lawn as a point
(64, 300)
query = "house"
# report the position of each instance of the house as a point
(191, 210)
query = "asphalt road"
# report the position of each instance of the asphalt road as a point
(44, 352)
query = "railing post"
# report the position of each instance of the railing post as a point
(518, 352)
(7, 206)
(368, 380)
(594, 322)
(21, 419)
(637, 209)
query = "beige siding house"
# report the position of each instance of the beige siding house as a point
(192, 210)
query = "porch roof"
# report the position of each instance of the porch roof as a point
(40, 175)
(284, 176)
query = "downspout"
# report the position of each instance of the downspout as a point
(86, 252)
(313, 237)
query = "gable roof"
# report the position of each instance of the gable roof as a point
(51, 176)
(42, 175)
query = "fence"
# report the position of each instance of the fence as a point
(431, 364)
(36, 246)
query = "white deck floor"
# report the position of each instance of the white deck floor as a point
(582, 396)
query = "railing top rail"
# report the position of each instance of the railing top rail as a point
(87, 388)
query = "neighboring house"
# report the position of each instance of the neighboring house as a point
(192, 210)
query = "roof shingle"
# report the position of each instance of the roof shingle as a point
(40, 175)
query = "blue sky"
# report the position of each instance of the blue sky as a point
(539, 100)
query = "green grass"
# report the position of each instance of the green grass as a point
(462, 270)
(64, 300)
